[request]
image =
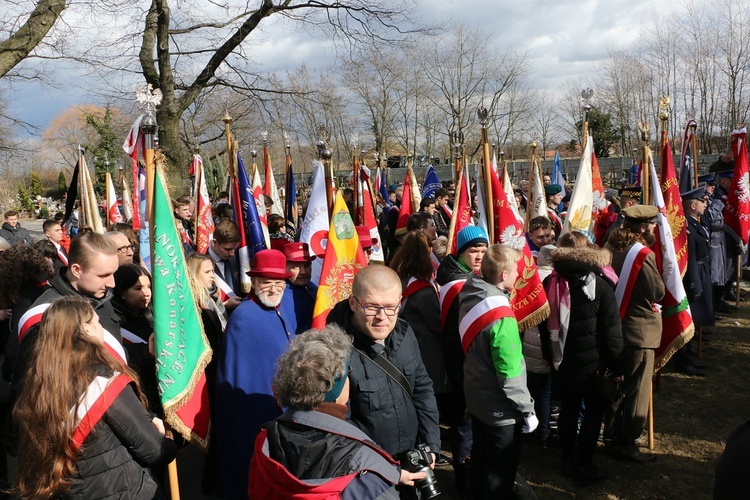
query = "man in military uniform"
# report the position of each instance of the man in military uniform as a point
(554, 197)
(629, 197)
(713, 219)
(639, 288)
(697, 280)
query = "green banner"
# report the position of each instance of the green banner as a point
(181, 348)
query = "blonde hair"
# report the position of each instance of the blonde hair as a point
(497, 259)
(194, 262)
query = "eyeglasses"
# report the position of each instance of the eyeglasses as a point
(372, 311)
(125, 249)
(272, 285)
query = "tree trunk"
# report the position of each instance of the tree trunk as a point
(22, 42)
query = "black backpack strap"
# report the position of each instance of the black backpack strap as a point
(390, 369)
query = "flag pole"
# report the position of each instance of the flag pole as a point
(457, 139)
(645, 158)
(355, 179)
(647, 200)
(325, 155)
(81, 211)
(288, 162)
(483, 115)
(227, 119)
(694, 147)
(532, 185)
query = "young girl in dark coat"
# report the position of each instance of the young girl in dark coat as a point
(85, 432)
(132, 303)
(584, 337)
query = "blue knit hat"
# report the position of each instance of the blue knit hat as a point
(471, 236)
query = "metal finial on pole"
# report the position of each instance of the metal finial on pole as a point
(483, 115)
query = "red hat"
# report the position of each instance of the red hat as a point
(365, 240)
(269, 264)
(297, 252)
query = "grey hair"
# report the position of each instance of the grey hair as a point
(306, 371)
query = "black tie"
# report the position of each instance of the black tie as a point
(228, 278)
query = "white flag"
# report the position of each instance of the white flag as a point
(582, 199)
(314, 230)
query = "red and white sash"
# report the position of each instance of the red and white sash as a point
(114, 347)
(33, 317)
(555, 218)
(413, 286)
(628, 275)
(482, 315)
(61, 255)
(130, 337)
(30, 318)
(435, 263)
(225, 291)
(448, 294)
(94, 403)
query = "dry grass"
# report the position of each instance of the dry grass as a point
(693, 418)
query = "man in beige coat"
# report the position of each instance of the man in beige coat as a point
(639, 288)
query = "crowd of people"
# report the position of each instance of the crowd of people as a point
(354, 409)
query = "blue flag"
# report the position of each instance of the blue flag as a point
(557, 178)
(253, 230)
(431, 183)
(382, 187)
(290, 210)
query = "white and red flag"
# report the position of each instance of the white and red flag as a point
(113, 213)
(737, 209)
(677, 321)
(204, 224)
(461, 215)
(314, 229)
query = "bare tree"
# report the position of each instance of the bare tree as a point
(184, 53)
(21, 42)
(467, 71)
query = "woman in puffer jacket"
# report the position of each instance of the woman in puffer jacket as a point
(84, 428)
(585, 337)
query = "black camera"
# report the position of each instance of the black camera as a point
(419, 460)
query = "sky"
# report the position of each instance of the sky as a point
(564, 39)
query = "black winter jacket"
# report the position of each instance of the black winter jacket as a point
(139, 359)
(379, 407)
(422, 312)
(453, 352)
(115, 458)
(16, 235)
(594, 338)
(60, 287)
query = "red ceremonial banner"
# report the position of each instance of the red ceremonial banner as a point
(528, 300)
(737, 209)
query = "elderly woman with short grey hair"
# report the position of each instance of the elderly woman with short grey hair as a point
(311, 447)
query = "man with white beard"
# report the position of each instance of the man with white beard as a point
(257, 333)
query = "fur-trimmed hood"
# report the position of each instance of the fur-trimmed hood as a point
(573, 263)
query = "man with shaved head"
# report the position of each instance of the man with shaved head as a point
(390, 393)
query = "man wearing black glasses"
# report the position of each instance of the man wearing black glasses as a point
(391, 396)
(124, 248)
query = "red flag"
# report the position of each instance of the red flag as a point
(367, 213)
(204, 226)
(461, 210)
(677, 323)
(407, 206)
(600, 204)
(673, 206)
(737, 209)
(528, 299)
